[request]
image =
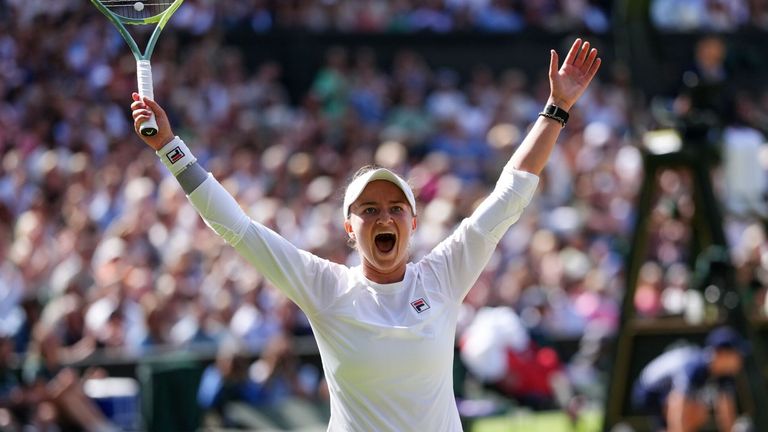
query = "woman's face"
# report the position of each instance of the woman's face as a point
(381, 222)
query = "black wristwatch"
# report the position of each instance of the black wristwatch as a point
(556, 113)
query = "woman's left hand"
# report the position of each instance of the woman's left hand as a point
(569, 81)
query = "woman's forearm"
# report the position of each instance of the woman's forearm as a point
(534, 151)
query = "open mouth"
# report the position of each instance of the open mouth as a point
(385, 242)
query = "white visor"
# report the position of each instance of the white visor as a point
(358, 185)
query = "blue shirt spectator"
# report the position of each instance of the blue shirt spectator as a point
(677, 387)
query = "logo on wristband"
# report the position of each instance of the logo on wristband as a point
(175, 155)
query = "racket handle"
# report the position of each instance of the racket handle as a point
(144, 75)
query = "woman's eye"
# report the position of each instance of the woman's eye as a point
(397, 209)
(369, 210)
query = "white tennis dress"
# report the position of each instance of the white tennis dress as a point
(386, 349)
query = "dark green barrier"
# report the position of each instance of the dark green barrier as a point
(169, 394)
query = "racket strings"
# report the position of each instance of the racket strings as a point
(133, 2)
(135, 9)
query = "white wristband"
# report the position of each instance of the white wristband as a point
(176, 156)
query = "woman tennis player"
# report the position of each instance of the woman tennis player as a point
(385, 329)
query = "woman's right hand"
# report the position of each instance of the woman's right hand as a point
(142, 109)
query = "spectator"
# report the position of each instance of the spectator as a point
(499, 16)
(707, 15)
(330, 86)
(54, 390)
(673, 387)
(745, 181)
(272, 392)
(12, 403)
(12, 287)
(497, 348)
(369, 88)
(431, 16)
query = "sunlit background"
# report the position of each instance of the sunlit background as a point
(116, 301)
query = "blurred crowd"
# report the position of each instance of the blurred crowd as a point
(99, 248)
(709, 15)
(201, 16)
(440, 16)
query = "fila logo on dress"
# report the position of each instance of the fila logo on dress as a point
(420, 305)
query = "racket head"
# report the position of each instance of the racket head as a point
(138, 11)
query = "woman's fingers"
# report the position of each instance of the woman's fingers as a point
(142, 109)
(582, 55)
(143, 103)
(573, 52)
(139, 119)
(590, 58)
(141, 113)
(593, 68)
(139, 108)
(154, 106)
(553, 63)
(589, 63)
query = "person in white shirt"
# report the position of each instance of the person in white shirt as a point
(385, 329)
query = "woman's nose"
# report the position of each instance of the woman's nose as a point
(384, 217)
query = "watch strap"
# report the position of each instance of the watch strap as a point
(556, 113)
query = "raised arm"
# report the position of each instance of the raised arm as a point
(306, 279)
(566, 84)
(179, 161)
(467, 251)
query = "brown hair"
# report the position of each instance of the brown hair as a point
(363, 169)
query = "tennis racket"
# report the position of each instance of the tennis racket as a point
(124, 12)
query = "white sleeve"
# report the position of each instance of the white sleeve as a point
(503, 207)
(309, 281)
(459, 259)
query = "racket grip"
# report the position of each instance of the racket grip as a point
(144, 75)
